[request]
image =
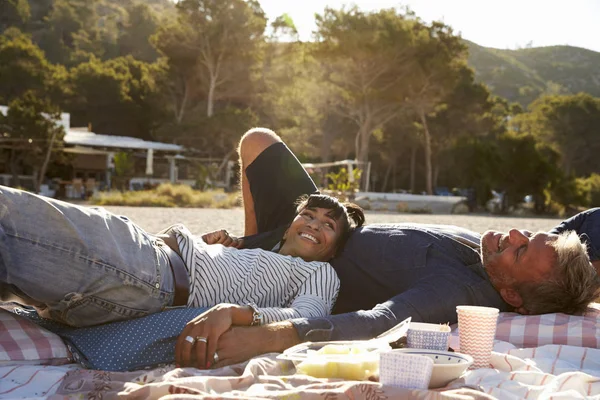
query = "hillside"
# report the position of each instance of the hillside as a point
(522, 75)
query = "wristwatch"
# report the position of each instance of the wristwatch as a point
(257, 316)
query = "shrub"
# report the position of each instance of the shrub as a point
(590, 187)
(169, 195)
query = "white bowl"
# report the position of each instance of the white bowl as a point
(447, 365)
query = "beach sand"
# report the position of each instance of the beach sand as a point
(201, 220)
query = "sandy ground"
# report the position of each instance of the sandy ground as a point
(200, 220)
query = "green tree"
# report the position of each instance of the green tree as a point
(70, 26)
(141, 23)
(119, 96)
(524, 166)
(32, 136)
(213, 47)
(14, 13)
(124, 168)
(465, 112)
(24, 68)
(366, 56)
(570, 124)
(439, 60)
(399, 141)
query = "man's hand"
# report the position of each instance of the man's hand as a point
(239, 344)
(222, 237)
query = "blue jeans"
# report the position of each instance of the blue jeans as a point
(78, 265)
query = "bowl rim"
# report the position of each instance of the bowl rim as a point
(424, 326)
(468, 359)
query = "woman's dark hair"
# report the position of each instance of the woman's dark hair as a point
(351, 215)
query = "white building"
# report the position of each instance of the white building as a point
(92, 165)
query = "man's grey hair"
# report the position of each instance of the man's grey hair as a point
(573, 284)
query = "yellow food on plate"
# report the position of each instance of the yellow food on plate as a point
(343, 362)
(334, 349)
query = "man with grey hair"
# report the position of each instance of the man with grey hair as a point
(391, 272)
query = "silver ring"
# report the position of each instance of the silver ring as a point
(190, 339)
(201, 339)
(215, 358)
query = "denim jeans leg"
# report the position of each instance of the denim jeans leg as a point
(86, 265)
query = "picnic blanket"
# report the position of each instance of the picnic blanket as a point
(551, 371)
(552, 368)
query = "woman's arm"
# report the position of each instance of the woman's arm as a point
(315, 297)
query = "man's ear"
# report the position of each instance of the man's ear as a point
(512, 297)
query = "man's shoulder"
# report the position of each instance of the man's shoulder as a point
(405, 246)
(377, 232)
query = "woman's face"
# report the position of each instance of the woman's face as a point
(313, 235)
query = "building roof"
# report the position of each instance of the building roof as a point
(81, 137)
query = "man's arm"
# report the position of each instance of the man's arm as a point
(241, 343)
(433, 300)
(587, 225)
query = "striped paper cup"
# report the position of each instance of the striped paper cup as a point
(476, 332)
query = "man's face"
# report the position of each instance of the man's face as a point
(313, 235)
(517, 257)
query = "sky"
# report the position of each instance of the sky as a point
(506, 24)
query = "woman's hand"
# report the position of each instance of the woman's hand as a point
(205, 331)
(222, 237)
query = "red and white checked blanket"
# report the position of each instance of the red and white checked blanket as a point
(22, 341)
(524, 331)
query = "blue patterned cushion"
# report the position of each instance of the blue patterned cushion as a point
(141, 343)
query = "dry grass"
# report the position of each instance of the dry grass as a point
(169, 195)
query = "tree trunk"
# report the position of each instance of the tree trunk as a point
(363, 150)
(183, 104)
(413, 167)
(326, 140)
(42, 174)
(211, 97)
(14, 168)
(436, 174)
(428, 169)
(388, 172)
(363, 155)
(224, 164)
(357, 143)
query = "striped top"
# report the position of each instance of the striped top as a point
(283, 287)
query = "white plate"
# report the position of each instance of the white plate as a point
(305, 350)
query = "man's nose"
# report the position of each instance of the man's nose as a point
(517, 237)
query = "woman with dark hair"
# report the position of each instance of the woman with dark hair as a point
(283, 287)
(85, 266)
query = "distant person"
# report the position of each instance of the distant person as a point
(392, 272)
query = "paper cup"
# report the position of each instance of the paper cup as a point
(427, 336)
(409, 371)
(476, 332)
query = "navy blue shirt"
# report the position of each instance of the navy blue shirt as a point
(587, 226)
(392, 272)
